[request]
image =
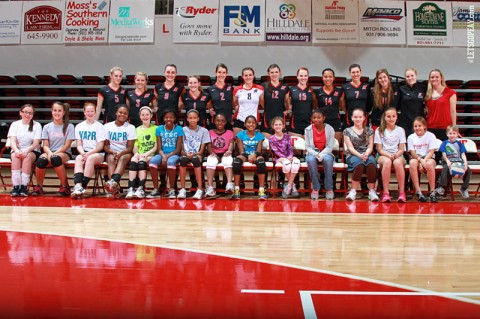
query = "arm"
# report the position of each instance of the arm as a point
(453, 109)
(98, 109)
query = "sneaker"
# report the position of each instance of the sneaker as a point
(64, 191)
(386, 198)
(23, 191)
(372, 195)
(295, 192)
(155, 194)
(171, 193)
(314, 195)
(421, 197)
(210, 192)
(182, 194)
(402, 198)
(236, 194)
(78, 191)
(464, 193)
(229, 189)
(198, 194)
(37, 190)
(262, 195)
(15, 191)
(330, 195)
(440, 190)
(433, 197)
(108, 186)
(352, 195)
(114, 188)
(130, 193)
(287, 189)
(139, 193)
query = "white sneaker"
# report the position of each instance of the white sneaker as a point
(329, 195)
(139, 193)
(229, 188)
(464, 193)
(352, 195)
(198, 194)
(440, 190)
(78, 191)
(182, 194)
(287, 190)
(372, 195)
(210, 192)
(130, 193)
(295, 192)
(171, 193)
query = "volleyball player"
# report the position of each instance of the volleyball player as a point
(168, 93)
(110, 96)
(303, 101)
(195, 99)
(357, 94)
(221, 97)
(138, 98)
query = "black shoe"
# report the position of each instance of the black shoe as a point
(421, 197)
(23, 191)
(15, 191)
(433, 197)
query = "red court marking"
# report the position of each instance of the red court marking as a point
(64, 277)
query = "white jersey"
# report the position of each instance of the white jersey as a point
(24, 137)
(90, 134)
(248, 100)
(390, 139)
(118, 136)
(422, 144)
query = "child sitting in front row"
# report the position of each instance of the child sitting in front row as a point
(453, 151)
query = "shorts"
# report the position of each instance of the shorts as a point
(353, 161)
(336, 124)
(296, 130)
(171, 161)
(268, 130)
(239, 124)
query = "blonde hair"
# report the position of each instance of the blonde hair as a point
(453, 128)
(428, 95)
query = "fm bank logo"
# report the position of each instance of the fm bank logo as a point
(241, 20)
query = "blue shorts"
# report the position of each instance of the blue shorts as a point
(353, 161)
(171, 161)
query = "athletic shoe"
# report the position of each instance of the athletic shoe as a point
(64, 191)
(314, 195)
(386, 198)
(171, 193)
(139, 193)
(433, 197)
(295, 192)
(230, 188)
(182, 194)
(15, 191)
(210, 192)
(78, 191)
(37, 190)
(440, 191)
(421, 197)
(130, 193)
(330, 195)
(262, 195)
(155, 193)
(23, 191)
(114, 188)
(198, 194)
(352, 195)
(236, 194)
(111, 186)
(402, 198)
(464, 193)
(372, 195)
(287, 189)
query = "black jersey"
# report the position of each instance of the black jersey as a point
(356, 97)
(199, 103)
(274, 101)
(410, 104)
(302, 106)
(111, 99)
(330, 101)
(376, 113)
(167, 98)
(222, 100)
(136, 102)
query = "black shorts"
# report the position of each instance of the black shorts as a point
(239, 124)
(296, 130)
(267, 130)
(337, 125)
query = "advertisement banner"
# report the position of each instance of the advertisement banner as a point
(429, 23)
(335, 21)
(194, 22)
(382, 22)
(42, 22)
(466, 24)
(10, 22)
(131, 22)
(242, 21)
(288, 21)
(86, 21)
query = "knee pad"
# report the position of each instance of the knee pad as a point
(78, 178)
(286, 166)
(295, 166)
(56, 161)
(42, 162)
(184, 161)
(227, 161)
(261, 166)
(196, 161)
(237, 166)
(212, 162)
(142, 166)
(133, 166)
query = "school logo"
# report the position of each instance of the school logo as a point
(241, 20)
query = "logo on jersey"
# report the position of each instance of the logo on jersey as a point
(241, 20)
(190, 11)
(382, 13)
(43, 18)
(335, 93)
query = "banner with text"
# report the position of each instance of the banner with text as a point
(42, 22)
(242, 21)
(86, 21)
(10, 22)
(429, 23)
(382, 22)
(335, 21)
(288, 21)
(466, 24)
(131, 22)
(194, 22)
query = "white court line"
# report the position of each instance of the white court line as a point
(262, 291)
(391, 293)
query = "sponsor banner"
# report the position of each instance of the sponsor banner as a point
(131, 22)
(288, 21)
(10, 22)
(42, 22)
(466, 24)
(195, 22)
(86, 21)
(335, 21)
(242, 21)
(429, 23)
(382, 22)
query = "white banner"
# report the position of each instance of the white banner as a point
(466, 24)
(288, 21)
(382, 22)
(86, 21)
(10, 22)
(42, 22)
(335, 21)
(194, 22)
(429, 23)
(131, 22)
(242, 21)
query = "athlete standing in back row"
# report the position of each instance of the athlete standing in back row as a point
(168, 93)
(110, 96)
(303, 101)
(221, 97)
(357, 94)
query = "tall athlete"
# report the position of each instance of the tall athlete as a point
(110, 96)
(383, 97)
(357, 94)
(168, 93)
(303, 101)
(139, 97)
(221, 97)
(195, 99)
